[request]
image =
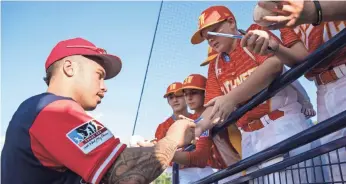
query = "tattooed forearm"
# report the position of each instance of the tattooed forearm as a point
(142, 165)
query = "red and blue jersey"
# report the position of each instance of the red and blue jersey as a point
(50, 139)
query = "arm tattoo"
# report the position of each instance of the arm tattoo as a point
(141, 165)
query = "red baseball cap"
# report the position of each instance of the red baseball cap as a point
(209, 17)
(194, 81)
(79, 46)
(174, 88)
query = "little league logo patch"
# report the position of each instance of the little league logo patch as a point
(205, 134)
(89, 136)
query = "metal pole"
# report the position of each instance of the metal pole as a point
(146, 72)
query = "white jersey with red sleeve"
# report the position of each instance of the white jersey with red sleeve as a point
(314, 36)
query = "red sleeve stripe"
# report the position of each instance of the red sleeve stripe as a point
(101, 170)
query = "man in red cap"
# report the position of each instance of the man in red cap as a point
(237, 74)
(51, 139)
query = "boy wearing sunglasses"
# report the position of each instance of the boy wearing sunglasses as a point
(236, 75)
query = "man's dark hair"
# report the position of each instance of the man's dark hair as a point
(51, 71)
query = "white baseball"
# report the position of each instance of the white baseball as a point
(135, 139)
(259, 13)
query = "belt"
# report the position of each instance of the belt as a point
(257, 124)
(331, 75)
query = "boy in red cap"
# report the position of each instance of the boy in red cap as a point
(237, 74)
(177, 102)
(194, 92)
(193, 164)
(292, 43)
(175, 99)
(51, 139)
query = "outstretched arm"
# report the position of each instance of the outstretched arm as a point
(142, 164)
(198, 157)
(293, 55)
(291, 13)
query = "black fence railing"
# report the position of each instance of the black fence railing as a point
(315, 161)
(317, 131)
(321, 55)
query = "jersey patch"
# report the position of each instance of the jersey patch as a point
(89, 136)
(205, 134)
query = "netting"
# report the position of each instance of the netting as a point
(176, 19)
(177, 23)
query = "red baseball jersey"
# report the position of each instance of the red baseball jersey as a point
(225, 75)
(53, 140)
(198, 157)
(313, 38)
(163, 127)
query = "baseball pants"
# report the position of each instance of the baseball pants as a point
(331, 100)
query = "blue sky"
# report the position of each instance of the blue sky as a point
(31, 29)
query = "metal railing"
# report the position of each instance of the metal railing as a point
(316, 161)
(321, 55)
(317, 131)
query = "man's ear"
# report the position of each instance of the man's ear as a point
(68, 67)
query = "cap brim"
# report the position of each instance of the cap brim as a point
(111, 63)
(207, 61)
(197, 37)
(165, 96)
(175, 92)
(190, 87)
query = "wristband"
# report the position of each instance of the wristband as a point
(198, 119)
(319, 13)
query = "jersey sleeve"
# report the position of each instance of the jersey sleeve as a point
(289, 37)
(64, 135)
(199, 157)
(212, 88)
(160, 132)
(262, 58)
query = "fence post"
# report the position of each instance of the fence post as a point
(175, 173)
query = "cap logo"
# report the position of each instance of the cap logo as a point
(172, 87)
(201, 19)
(188, 80)
(213, 17)
(96, 49)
